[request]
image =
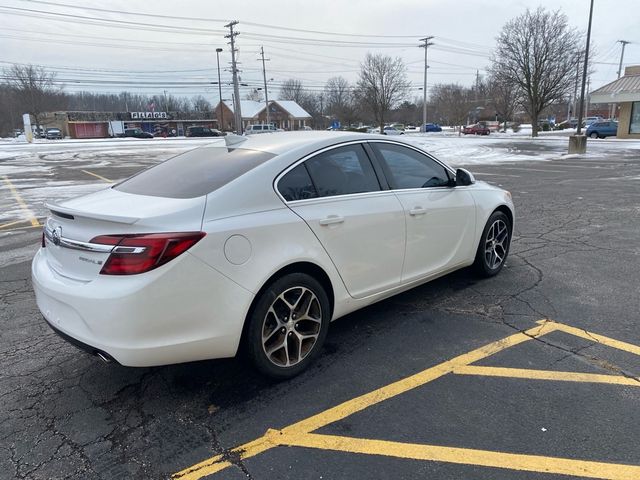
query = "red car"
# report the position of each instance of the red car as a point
(477, 129)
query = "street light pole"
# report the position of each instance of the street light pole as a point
(578, 142)
(584, 72)
(218, 50)
(426, 45)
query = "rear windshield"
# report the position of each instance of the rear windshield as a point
(194, 173)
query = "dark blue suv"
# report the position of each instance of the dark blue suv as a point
(432, 127)
(602, 129)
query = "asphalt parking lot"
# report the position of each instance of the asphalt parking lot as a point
(532, 374)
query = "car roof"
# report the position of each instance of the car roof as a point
(282, 142)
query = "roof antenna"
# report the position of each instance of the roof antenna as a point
(232, 139)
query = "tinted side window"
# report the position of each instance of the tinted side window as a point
(297, 185)
(407, 168)
(342, 171)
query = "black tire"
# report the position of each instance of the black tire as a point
(485, 263)
(594, 135)
(281, 330)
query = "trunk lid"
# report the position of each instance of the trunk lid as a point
(72, 225)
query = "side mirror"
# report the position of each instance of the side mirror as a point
(464, 177)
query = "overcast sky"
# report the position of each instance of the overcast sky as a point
(170, 45)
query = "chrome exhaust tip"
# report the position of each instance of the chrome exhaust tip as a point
(103, 357)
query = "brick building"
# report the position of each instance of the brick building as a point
(285, 114)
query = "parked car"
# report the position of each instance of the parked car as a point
(53, 134)
(203, 132)
(264, 243)
(136, 133)
(602, 129)
(389, 130)
(589, 120)
(477, 129)
(260, 128)
(432, 127)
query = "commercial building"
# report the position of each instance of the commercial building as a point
(110, 124)
(625, 92)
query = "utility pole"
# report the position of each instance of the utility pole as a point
(221, 123)
(575, 85)
(426, 46)
(624, 43)
(264, 75)
(236, 90)
(166, 108)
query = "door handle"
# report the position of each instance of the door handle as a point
(331, 220)
(415, 211)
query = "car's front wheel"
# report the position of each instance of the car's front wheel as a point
(288, 326)
(594, 135)
(494, 245)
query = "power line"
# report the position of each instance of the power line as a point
(203, 31)
(254, 24)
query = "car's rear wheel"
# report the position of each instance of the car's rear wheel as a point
(288, 326)
(494, 245)
(594, 135)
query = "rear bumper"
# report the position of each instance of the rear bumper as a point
(82, 346)
(183, 311)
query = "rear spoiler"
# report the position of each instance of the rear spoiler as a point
(57, 209)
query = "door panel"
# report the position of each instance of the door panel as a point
(337, 192)
(440, 230)
(440, 218)
(363, 234)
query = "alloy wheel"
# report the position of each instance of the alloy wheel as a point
(495, 245)
(291, 326)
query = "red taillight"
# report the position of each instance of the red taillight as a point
(140, 253)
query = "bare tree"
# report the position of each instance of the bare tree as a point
(451, 103)
(536, 52)
(34, 90)
(339, 98)
(292, 89)
(504, 98)
(382, 84)
(255, 95)
(10, 113)
(201, 104)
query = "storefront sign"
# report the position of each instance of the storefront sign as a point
(148, 115)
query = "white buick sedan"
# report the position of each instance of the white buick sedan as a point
(259, 242)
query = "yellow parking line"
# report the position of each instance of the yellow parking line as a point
(104, 179)
(364, 401)
(12, 223)
(218, 462)
(22, 228)
(14, 191)
(299, 434)
(546, 375)
(594, 337)
(465, 456)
